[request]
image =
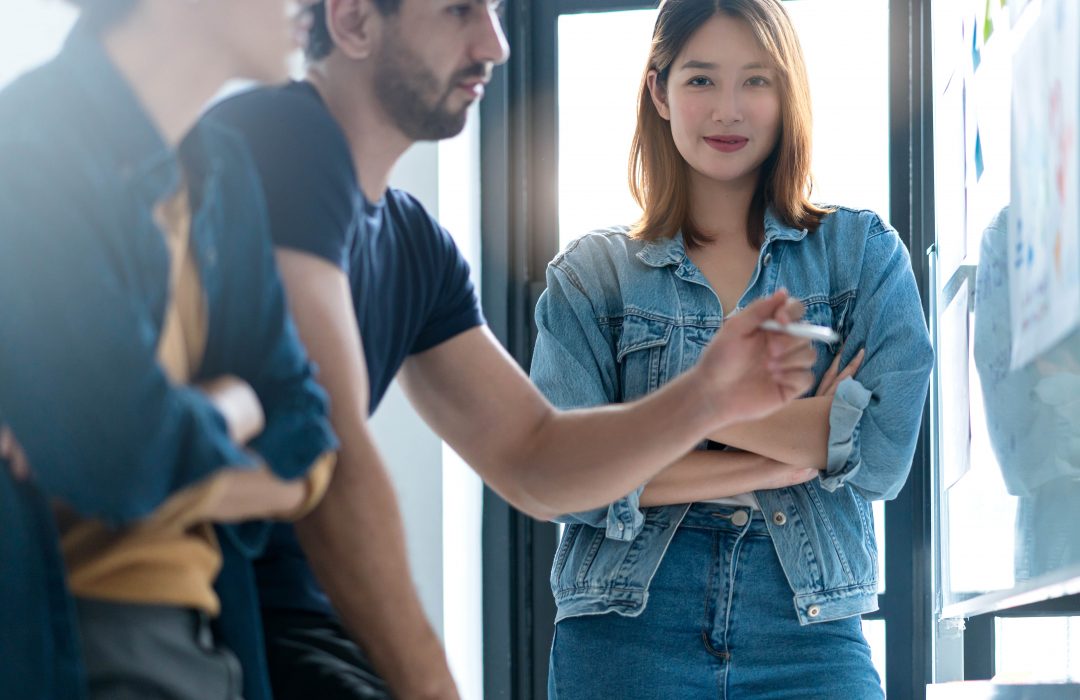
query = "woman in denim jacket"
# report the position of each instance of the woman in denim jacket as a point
(742, 569)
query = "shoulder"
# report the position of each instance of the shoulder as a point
(611, 244)
(293, 103)
(287, 124)
(599, 263)
(39, 138)
(33, 102)
(850, 223)
(405, 208)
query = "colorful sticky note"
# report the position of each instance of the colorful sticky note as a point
(976, 59)
(979, 166)
(988, 23)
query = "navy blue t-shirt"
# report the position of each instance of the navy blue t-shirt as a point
(410, 285)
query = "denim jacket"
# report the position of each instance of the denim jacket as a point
(622, 316)
(84, 274)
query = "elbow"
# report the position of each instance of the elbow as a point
(522, 477)
(531, 506)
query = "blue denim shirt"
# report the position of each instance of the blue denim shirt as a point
(621, 317)
(84, 274)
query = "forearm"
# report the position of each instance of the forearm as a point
(231, 496)
(797, 434)
(355, 543)
(576, 460)
(705, 475)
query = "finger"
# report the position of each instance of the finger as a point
(794, 310)
(798, 358)
(793, 383)
(780, 344)
(746, 322)
(851, 368)
(801, 476)
(835, 366)
(828, 380)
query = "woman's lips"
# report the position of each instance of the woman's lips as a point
(726, 144)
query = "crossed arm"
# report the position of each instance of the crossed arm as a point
(786, 448)
(238, 494)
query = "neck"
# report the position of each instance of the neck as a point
(720, 210)
(374, 140)
(173, 91)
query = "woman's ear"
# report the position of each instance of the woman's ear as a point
(658, 92)
(354, 26)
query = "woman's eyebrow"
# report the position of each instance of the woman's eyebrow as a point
(708, 65)
(699, 65)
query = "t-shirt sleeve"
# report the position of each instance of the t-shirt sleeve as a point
(304, 166)
(455, 307)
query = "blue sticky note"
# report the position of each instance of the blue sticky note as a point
(976, 59)
(979, 166)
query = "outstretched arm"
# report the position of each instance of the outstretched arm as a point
(547, 462)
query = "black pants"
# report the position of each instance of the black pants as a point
(311, 656)
(153, 652)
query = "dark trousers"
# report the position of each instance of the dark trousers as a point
(153, 652)
(311, 656)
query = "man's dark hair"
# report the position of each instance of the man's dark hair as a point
(99, 15)
(320, 44)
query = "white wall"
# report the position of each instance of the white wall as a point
(440, 497)
(412, 452)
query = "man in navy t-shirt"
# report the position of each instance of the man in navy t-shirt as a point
(378, 289)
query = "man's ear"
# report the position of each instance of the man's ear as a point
(658, 93)
(354, 25)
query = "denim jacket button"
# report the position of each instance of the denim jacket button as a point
(813, 611)
(779, 518)
(767, 259)
(621, 527)
(739, 518)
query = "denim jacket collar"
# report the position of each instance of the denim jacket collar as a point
(777, 230)
(662, 252)
(672, 251)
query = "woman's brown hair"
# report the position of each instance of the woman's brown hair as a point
(658, 173)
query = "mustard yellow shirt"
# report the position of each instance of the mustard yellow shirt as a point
(171, 557)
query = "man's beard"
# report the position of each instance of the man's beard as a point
(410, 94)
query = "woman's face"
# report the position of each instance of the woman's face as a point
(723, 101)
(259, 35)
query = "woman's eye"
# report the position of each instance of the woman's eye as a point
(699, 81)
(460, 10)
(758, 81)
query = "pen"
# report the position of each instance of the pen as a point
(822, 334)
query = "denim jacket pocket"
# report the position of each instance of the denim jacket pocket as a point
(589, 563)
(640, 355)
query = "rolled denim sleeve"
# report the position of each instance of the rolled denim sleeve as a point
(573, 365)
(874, 422)
(103, 427)
(849, 402)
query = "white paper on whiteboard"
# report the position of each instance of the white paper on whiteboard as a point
(1044, 254)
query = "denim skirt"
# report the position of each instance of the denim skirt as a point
(719, 622)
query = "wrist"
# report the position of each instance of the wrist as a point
(429, 679)
(706, 395)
